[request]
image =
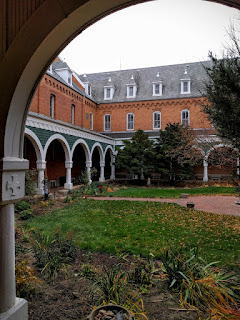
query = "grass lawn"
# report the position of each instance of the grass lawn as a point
(143, 227)
(141, 192)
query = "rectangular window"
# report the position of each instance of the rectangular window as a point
(91, 121)
(157, 88)
(157, 120)
(185, 118)
(52, 105)
(72, 113)
(130, 92)
(89, 90)
(108, 93)
(185, 86)
(130, 121)
(107, 122)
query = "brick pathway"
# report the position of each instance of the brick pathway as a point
(214, 204)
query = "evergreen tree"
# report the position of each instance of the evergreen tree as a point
(175, 152)
(137, 157)
(223, 94)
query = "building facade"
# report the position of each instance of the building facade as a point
(76, 121)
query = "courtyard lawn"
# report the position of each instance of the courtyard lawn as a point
(143, 192)
(143, 227)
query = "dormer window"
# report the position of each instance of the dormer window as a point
(157, 88)
(131, 91)
(108, 92)
(88, 89)
(185, 86)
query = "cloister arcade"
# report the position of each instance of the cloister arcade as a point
(27, 47)
(63, 165)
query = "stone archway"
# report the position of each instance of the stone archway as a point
(27, 47)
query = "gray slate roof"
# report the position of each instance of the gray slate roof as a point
(170, 76)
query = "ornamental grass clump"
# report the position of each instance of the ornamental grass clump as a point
(53, 256)
(201, 285)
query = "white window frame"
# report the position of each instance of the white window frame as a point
(154, 88)
(156, 113)
(128, 122)
(134, 90)
(52, 105)
(188, 86)
(91, 121)
(50, 69)
(105, 122)
(111, 90)
(185, 122)
(72, 113)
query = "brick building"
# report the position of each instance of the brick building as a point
(75, 121)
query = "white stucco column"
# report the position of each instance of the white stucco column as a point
(89, 166)
(205, 170)
(41, 167)
(102, 166)
(12, 178)
(68, 165)
(112, 177)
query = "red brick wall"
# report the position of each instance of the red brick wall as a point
(143, 113)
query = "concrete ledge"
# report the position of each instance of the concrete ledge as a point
(18, 312)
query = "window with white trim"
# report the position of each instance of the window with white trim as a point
(185, 118)
(108, 93)
(72, 113)
(130, 121)
(107, 122)
(157, 89)
(91, 121)
(131, 91)
(157, 120)
(185, 86)
(52, 105)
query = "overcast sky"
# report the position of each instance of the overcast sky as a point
(156, 33)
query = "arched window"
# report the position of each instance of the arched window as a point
(91, 121)
(185, 118)
(130, 121)
(157, 120)
(72, 113)
(52, 105)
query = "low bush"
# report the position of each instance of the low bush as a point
(54, 256)
(21, 206)
(26, 214)
(26, 281)
(200, 284)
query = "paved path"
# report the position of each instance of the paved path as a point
(214, 204)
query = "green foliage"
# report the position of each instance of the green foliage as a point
(198, 283)
(223, 94)
(137, 156)
(21, 206)
(53, 256)
(30, 182)
(26, 214)
(25, 280)
(175, 152)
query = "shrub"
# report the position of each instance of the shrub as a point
(30, 182)
(25, 280)
(22, 205)
(54, 256)
(26, 214)
(199, 284)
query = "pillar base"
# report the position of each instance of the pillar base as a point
(68, 186)
(18, 312)
(101, 179)
(205, 179)
(40, 191)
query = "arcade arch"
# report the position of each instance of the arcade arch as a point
(35, 48)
